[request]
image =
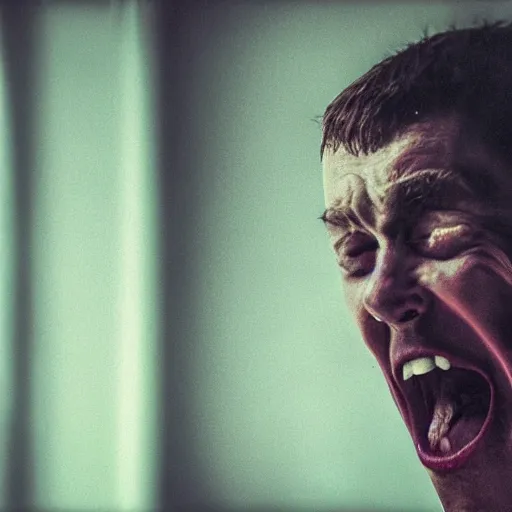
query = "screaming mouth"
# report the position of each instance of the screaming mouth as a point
(449, 410)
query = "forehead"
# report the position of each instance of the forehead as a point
(421, 148)
(438, 151)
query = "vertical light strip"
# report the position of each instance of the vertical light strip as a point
(137, 389)
(7, 273)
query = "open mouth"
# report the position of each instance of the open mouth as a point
(449, 410)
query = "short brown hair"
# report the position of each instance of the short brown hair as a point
(464, 71)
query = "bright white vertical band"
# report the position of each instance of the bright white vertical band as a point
(137, 342)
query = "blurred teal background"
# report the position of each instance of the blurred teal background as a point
(173, 333)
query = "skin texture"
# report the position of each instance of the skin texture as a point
(422, 230)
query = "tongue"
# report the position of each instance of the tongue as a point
(456, 419)
(440, 424)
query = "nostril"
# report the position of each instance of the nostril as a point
(409, 315)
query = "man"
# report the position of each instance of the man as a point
(417, 158)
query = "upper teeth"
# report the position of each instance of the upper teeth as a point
(422, 365)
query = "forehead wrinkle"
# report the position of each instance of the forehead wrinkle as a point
(355, 205)
(362, 205)
(374, 178)
(426, 178)
(425, 159)
(402, 200)
(400, 173)
(428, 145)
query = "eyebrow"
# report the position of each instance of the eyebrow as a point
(408, 195)
(431, 188)
(340, 216)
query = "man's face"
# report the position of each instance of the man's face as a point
(422, 231)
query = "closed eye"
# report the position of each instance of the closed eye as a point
(356, 243)
(360, 248)
(445, 242)
(356, 254)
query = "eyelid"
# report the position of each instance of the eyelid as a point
(358, 266)
(341, 241)
(445, 242)
(358, 258)
(449, 229)
(367, 238)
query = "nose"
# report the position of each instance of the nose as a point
(393, 294)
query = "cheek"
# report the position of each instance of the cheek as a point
(478, 288)
(354, 294)
(474, 285)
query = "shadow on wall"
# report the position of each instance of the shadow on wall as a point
(18, 24)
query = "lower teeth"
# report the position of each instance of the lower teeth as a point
(444, 445)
